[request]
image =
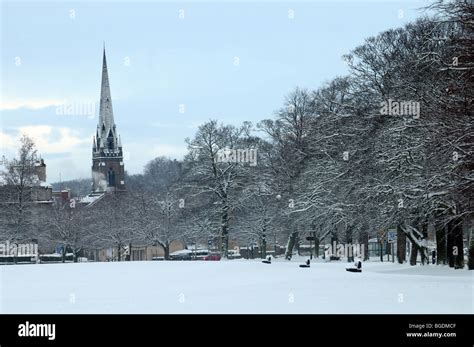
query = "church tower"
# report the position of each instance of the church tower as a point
(107, 157)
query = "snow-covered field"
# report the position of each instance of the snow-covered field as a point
(236, 286)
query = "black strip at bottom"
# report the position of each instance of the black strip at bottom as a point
(247, 330)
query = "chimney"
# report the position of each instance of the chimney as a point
(65, 195)
(41, 170)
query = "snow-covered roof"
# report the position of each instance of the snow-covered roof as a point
(46, 184)
(90, 199)
(87, 199)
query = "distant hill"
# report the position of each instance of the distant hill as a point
(79, 187)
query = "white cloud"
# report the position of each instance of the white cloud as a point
(7, 147)
(72, 148)
(6, 140)
(47, 139)
(67, 152)
(41, 135)
(33, 104)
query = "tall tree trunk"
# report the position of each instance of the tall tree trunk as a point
(297, 244)
(459, 244)
(364, 241)
(316, 245)
(291, 244)
(315, 239)
(401, 245)
(424, 230)
(450, 244)
(413, 253)
(415, 248)
(275, 247)
(166, 248)
(225, 231)
(350, 254)
(15, 254)
(63, 254)
(119, 254)
(350, 251)
(440, 243)
(381, 250)
(470, 263)
(264, 247)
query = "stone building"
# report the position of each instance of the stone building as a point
(108, 172)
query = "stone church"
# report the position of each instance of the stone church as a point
(108, 172)
(108, 175)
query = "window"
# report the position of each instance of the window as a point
(111, 177)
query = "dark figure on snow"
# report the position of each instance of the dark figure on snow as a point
(306, 264)
(357, 266)
(433, 256)
(268, 260)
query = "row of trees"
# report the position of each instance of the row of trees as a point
(388, 145)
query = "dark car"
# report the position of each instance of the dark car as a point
(181, 255)
(212, 257)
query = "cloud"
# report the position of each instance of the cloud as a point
(50, 139)
(6, 140)
(33, 104)
(65, 151)
(47, 139)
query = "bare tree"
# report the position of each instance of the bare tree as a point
(158, 204)
(19, 180)
(214, 171)
(157, 218)
(111, 223)
(66, 225)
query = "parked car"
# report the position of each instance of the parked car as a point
(212, 257)
(184, 254)
(234, 254)
(200, 254)
(189, 254)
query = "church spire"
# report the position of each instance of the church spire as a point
(108, 171)
(106, 114)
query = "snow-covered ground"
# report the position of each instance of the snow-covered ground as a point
(236, 286)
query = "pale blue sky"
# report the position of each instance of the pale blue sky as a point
(51, 53)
